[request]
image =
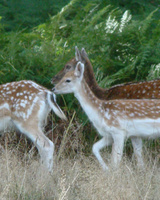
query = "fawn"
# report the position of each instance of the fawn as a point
(25, 105)
(115, 120)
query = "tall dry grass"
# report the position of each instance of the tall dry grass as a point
(79, 178)
(75, 175)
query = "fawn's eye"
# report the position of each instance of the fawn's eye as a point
(68, 81)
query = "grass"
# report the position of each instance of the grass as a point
(77, 174)
(78, 178)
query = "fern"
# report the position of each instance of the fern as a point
(111, 25)
(121, 76)
(145, 24)
(142, 57)
(124, 20)
(154, 72)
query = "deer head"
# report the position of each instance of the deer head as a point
(71, 81)
(71, 65)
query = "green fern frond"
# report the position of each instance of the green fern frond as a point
(144, 25)
(154, 72)
(95, 19)
(118, 77)
(126, 17)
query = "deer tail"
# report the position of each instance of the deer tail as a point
(51, 97)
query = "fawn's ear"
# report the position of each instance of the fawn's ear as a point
(77, 54)
(79, 70)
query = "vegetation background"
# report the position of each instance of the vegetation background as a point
(37, 38)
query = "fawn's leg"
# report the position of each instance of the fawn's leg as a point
(44, 145)
(105, 141)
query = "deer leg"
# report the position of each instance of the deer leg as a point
(137, 148)
(117, 149)
(105, 141)
(46, 149)
(44, 145)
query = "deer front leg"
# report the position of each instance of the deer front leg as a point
(105, 141)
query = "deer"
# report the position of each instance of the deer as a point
(115, 120)
(136, 90)
(24, 106)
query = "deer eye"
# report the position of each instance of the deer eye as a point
(68, 81)
(68, 67)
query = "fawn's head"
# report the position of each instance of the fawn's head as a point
(71, 81)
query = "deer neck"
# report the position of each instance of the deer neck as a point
(92, 83)
(89, 102)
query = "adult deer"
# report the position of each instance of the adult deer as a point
(25, 105)
(115, 120)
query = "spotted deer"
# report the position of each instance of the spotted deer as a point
(115, 120)
(138, 90)
(25, 105)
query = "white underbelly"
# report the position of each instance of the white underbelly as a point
(147, 128)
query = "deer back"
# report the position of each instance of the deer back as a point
(21, 100)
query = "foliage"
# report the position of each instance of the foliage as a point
(119, 45)
(154, 72)
(27, 13)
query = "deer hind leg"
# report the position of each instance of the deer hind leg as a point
(44, 145)
(137, 148)
(117, 149)
(46, 149)
(105, 141)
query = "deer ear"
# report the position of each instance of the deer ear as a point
(83, 53)
(77, 54)
(79, 70)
